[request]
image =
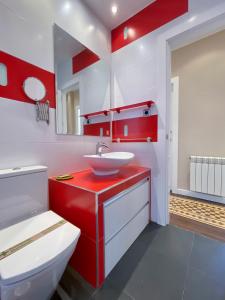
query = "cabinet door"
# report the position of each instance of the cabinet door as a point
(120, 243)
(119, 210)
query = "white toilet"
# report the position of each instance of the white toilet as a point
(31, 270)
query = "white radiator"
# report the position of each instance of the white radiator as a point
(207, 175)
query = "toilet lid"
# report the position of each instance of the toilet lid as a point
(41, 252)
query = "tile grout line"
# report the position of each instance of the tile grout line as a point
(127, 294)
(62, 293)
(123, 292)
(188, 267)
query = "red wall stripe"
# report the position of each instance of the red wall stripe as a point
(83, 60)
(150, 18)
(18, 70)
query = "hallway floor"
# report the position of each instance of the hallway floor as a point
(197, 215)
(164, 263)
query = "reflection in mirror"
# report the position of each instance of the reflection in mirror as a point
(71, 110)
(82, 83)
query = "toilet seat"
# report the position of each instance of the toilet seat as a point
(41, 253)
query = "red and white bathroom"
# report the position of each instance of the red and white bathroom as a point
(112, 153)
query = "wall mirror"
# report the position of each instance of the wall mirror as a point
(34, 88)
(82, 85)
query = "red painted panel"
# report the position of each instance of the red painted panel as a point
(139, 129)
(101, 265)
(75, 205)
(18, 70)
(83, 259)
(87, 180)
(94, 129)
(83, 60)
(78, 207)
(101, 244)
(100, 221)
(150, 18)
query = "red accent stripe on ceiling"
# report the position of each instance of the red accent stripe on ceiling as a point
(83, 60)
(18, 70)
(147, 20)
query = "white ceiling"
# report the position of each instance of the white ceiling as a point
(65, 46)
(126, 9)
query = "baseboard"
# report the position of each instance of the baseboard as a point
(199, 195)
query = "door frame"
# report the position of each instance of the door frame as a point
(72, 85)
(174, 133)
(207, 24)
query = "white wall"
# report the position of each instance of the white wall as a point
(26, 32)
(26, 28)
(140, 73)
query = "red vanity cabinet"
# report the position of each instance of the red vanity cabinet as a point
(105, 209)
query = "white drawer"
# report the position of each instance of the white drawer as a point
(118, 211)
(120, 243)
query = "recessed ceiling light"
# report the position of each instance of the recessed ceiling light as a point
(67, 6)
(91, 27)
(114, 9)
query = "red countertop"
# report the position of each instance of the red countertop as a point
(97, 184)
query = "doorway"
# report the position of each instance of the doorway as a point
(196, 146)
(69, 118)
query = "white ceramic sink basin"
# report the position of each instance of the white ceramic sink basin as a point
(108, 163)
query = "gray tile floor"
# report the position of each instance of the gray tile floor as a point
(164, 263)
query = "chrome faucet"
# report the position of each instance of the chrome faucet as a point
(99, 147)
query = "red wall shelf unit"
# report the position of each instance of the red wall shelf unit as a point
(97, 129)
(140, 129)
(133, 106)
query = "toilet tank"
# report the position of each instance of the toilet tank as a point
(23, 194)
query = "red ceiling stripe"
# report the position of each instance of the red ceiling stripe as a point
(18, 70)
(150, 18)
(83, 60)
